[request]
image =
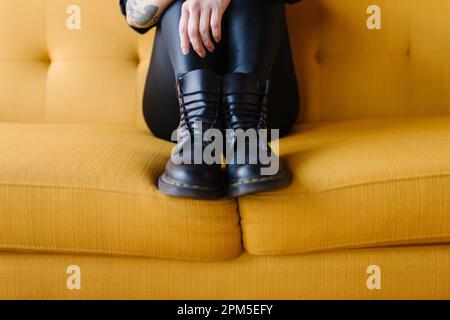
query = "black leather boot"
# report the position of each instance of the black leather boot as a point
(198, 93)
(244, 101)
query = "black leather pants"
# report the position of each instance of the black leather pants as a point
(254, 40)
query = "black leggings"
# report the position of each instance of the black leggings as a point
(254, 40)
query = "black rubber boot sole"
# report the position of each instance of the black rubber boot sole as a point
(181, 190)
(261, 184)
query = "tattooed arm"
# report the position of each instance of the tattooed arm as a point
(143, 14)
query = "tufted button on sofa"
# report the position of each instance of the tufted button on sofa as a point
(370, 159)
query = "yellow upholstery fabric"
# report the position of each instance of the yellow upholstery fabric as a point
(96, 74)
(78, 168)
(406, 273)
(347, 71)
(356, 183)
(92, 189)
(50, 73)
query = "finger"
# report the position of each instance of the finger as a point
(183, 30)
(205, 29)
(216, 24)
(194, 32)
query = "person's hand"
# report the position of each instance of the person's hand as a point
(200, 19)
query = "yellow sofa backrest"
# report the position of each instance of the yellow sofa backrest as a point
(76, 61)
(70, 61)
(347, 70)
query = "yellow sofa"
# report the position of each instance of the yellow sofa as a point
(370, 159)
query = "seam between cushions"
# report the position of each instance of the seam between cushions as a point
(92, 189)
(361, 245)
(55, 250)
(356, 185)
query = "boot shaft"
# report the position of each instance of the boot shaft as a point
(244, 101)
(198, 96)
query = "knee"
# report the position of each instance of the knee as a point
(260, 70)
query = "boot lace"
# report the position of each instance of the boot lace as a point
(253, 116)
(204, 109)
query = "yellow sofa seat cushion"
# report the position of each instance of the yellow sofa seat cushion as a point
(358, 183)
(92, 189)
